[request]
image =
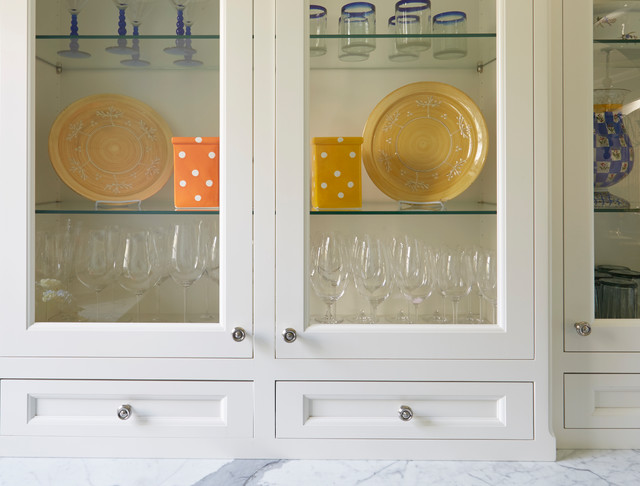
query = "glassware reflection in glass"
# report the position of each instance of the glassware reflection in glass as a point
(329, 273)
(95, 262)
(372, 273)
(137, 267)
(395, 55)
(187, 257)
(74, 7)
(122, 49)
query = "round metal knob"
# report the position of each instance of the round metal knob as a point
(124, 412)
(583, 328)
(289, 335)
(405, 413)
(238, 334)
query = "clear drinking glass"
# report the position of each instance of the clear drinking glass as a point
(330, 273)
(161, 244)
(211, 265)
(453, 24)
(454, 277)
(357, 24)
(187, 258)
(487, 277)
(317, 26)
(413, 22)
(372, 273)
(395, 55)
(137, 267)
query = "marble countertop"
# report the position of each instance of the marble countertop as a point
(577, 467)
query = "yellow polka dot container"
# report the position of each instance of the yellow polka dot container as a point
(336, 173)
(196, 172)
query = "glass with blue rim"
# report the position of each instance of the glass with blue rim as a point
(413, 23)
(454, 26)
(357, 25)
(317, 26)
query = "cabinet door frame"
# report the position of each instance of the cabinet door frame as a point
(512, 337)
(22, 337)
(607, 335)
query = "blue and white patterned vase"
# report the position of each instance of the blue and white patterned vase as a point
(613, 152)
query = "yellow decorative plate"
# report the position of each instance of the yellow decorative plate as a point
(111, 147)
(425, 142)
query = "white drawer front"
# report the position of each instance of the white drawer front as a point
(158, 408)
(601, 401)
(369, 410)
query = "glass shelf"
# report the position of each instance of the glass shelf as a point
(481, 51)
(89, 207)
(393, 208)
(151, 49)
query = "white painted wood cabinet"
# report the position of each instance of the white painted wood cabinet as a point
(236, 361)
(596, 344)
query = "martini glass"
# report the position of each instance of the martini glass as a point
(121, 49)
(194, 10)
(74, 52)
(138, 9)
(180, 48)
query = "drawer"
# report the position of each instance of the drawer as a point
(601, 401)
(157, 408)
(370, 410)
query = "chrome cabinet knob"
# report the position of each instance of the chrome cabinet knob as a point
(405, 413)
(124, 412)
(289, 335)
(238, 334)
(583, 328)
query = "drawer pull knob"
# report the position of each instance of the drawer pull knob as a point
(124, 412)
(289, 335)
(238, 334)
(405, 413)
(583, 328)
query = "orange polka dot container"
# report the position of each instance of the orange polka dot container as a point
(196, 172)
(336, 173)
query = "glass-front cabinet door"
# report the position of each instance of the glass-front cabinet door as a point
(404, 177)
(127, 135)
(602, 186)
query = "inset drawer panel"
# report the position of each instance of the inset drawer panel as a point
(157, 408)
(370, 410)
(602, 401)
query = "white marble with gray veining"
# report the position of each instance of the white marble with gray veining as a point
(584, 468)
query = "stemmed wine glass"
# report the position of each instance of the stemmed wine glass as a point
(413, 266)
(329, 273)
(187, 257)
(74, 52)
(122, 48)
(475, 253)
(211, 264)
(138, 9)
(194, 10)
(161, 239)
(180, 48)
(488, 280)
(95, 262)
(454, 277)
(137, 265)
(372, 273)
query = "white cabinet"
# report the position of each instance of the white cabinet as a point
(236, 360)
(596, 341)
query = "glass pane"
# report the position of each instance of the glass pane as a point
(616, 121)
(402, 122)
(124, 89)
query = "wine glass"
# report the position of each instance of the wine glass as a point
(180, 48)
(488, 281)
(122, 48)
(329, 273)
(95, 262)
(475, 253)
(194, 10)
(187, 257)
(74, 52)
(372, 273)
(161, 240)
(137, 265)
(437, 317)
(211, 264)
(454, 277)
(138, 9)
(413, 266)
